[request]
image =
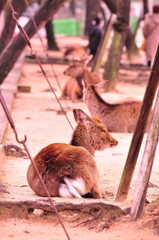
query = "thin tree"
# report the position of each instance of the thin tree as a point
(121, 27)
(51, 40)
(111, 4)
(14, 49)
(8, 31)
(145, 7)
(2, 3)
(130, 41)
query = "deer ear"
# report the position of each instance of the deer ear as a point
(80, 116)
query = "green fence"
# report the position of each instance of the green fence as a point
(70, 27)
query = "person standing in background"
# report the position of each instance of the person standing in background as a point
(95, 36)
(151, 34)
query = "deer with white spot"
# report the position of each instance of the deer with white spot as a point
(69, 170)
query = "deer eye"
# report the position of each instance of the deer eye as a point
(102, 130)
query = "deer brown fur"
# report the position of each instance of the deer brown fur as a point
(69, 170)
(119, 117)
(73, 88)
(75, 51)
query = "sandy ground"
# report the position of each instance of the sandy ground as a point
(43, 229)
(38, 115)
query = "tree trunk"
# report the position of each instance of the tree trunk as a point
(121, 27)
(111, 5)
(2, 3)
(8, 31)
(130, 44)
(93, 7)
(51, 42)
(15, 48)
(130, 41)
(112, 65)
(145, 7)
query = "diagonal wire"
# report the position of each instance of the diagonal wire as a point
(39, 63)
(12, 123)
(47, 56)
(43, 45)
(23, 142)
(26, 38)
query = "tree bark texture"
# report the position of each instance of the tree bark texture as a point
(145, 7)
(51, 42)
(121, 27)
(130, 41)
(8, 31)
(112, 64)
(130, 44)
(12, 52)
(2, 3)
(111, 5)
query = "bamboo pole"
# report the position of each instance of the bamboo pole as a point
(146, 165)
(102, 46)
(139, 131)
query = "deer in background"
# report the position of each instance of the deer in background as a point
(73, 88)
(75, 51)
(69, 170)
(119, 117)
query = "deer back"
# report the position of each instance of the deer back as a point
(118, 117)
(61, 165)
(71, 90)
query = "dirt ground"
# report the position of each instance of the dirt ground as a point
(38, 115)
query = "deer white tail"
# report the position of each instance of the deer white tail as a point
(72, 188)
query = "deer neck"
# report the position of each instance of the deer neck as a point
(82, 138)
(79, 80)
(91, 97)
(94, 101)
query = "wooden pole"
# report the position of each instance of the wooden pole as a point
(146, 165)
(139, 131)
(102, 46)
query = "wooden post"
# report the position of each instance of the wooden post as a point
(102, 46)
(146, 165)
(139, 131)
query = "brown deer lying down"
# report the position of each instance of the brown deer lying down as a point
(120, 117)
(73, 88)
(76, 51)
(69, 170)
